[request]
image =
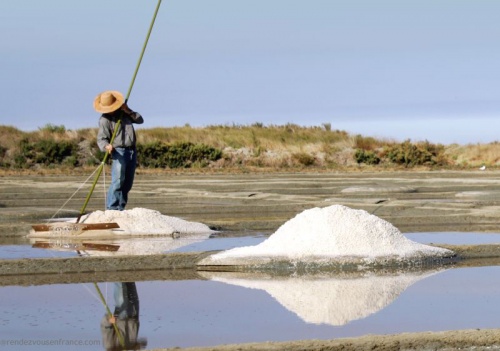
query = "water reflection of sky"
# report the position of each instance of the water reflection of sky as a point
(202, 313)
(455, 238)
(127, 246)
(205, 243)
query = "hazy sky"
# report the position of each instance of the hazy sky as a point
(424, 69)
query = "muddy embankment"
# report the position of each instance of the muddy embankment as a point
(477, 340)
(244, 203)
(412, 201)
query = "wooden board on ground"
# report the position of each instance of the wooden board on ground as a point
(68, 228)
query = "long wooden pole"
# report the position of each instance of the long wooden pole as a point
(143, 50)
(117, 125)
(108, 311)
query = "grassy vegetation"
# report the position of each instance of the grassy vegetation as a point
(240, 147)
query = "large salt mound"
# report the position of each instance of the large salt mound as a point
(334, 233)
(143, 221)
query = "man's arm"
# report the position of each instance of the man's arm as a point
(134, 116)
(137, 118)
(104, 134)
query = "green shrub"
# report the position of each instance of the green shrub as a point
(177, 155)
(409, 154)
(53, 128)
(52, 152)
(3, 151)
(20, 161)
(151, 155)
(71, 161)
(367, 157)
(45, 151)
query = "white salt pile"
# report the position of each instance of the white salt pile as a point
(143, 221)
(329, 300)
(334, 233)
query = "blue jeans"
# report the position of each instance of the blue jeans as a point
(122, 178)
(126, 300)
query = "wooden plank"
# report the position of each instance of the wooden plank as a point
(64, 227)
(100, 247)
(76, 246)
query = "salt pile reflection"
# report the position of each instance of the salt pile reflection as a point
(123, 246)
(333, 299)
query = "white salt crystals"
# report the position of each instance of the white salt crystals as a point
(137, 221)
(143, 221)
(328, 234)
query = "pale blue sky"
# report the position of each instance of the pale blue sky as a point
(424, 69)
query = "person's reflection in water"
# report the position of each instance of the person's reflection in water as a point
(126, 320)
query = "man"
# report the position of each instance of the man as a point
(123, 335)
(123, 149)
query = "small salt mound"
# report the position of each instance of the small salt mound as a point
(143, 221)
(334, 232)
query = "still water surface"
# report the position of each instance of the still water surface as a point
(250, 308)
(222, 308)
(206, 242)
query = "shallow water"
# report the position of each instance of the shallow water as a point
(158, 244)
(238, 308)
(455, 238)
(253, 308)
(126, 246)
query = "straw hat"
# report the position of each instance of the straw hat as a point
(108, 101)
